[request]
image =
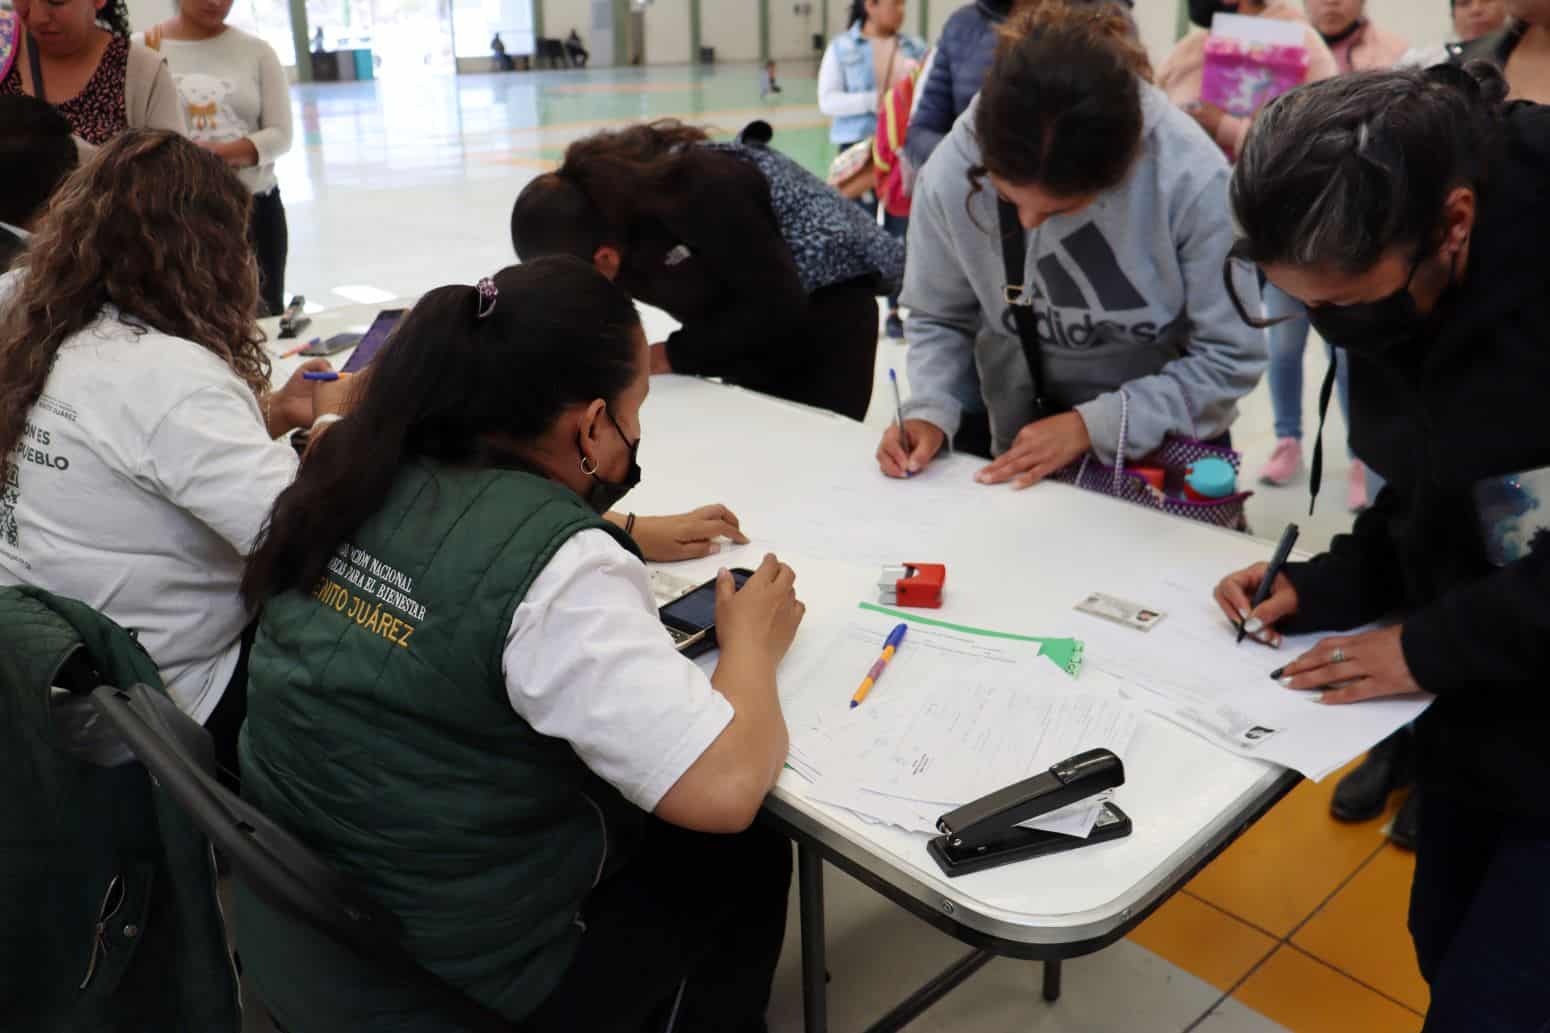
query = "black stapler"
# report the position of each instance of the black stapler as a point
(292, 320)
(987, 834)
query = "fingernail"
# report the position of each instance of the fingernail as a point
(1243, 615)
(715, 547)
(981, 479)
(1275, 675)
(1317, 697)
(1286, 683)
(1253, 625)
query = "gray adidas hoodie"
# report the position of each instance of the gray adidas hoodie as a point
(1128, 294)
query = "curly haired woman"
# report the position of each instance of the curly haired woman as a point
(138, 457)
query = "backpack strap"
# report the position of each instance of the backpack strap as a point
(1019, 300)
(35, 62)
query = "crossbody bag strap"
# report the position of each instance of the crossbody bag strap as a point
(35, 63)
(1014, 254)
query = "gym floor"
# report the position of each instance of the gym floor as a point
(394, 187)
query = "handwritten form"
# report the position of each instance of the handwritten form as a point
(955, 716)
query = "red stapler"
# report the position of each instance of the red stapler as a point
(912, 584)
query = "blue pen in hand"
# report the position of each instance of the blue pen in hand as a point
(890, 647)
(318, 374)
(904, 437)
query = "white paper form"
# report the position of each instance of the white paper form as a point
(873, 519)
(1190, 671)
(955, 716)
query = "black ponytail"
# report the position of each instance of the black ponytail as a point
(857, 14)
(1337, 173)
(556, 333)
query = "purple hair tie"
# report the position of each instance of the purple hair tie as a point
(488, 294)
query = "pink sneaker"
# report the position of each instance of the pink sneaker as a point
(1356, 487)
(1284, 463)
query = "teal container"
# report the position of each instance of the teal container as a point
(1211, 478)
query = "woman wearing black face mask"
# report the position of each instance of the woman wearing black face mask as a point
(463, 698)
(1402, 208)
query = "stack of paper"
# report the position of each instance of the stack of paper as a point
(955, 716)
(1190, 670)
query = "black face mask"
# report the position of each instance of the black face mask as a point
(605, 495)
(1202, 11)
(1372, 328)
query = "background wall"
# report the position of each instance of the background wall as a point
(561, 16)
(792, 24)
(732, 27)
(667, 29)
(145, 13)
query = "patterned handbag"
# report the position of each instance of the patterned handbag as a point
(1174, 456)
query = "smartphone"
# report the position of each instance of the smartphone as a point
(373, 340)
(691, 618)
(333, 346)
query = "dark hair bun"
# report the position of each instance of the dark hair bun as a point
(1489, 80)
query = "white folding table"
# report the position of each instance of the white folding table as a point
(805, 485)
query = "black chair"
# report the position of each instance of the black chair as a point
(269, 861)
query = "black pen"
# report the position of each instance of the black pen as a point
(1272, 572)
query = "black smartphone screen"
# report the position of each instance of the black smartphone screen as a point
(373, 340)
(697, 610)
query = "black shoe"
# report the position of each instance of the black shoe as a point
(1402, 832)
(1362, 794)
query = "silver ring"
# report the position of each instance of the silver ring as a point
(1338, 656)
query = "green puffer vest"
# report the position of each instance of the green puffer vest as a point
(380, 732)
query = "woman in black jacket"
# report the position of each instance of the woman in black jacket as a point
(1405, 208)
(773, 275)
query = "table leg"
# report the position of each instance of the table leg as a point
(815, 992)
(1052, 980)
(915, 1005)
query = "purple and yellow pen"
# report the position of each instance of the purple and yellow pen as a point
(890, 647)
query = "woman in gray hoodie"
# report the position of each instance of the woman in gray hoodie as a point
(1121, 201)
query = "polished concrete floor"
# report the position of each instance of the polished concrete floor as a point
(395, 188)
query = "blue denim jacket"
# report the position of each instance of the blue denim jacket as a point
(855, 56)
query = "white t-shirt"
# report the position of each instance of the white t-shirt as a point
(588, 661)
(233, 86)
(142, 480)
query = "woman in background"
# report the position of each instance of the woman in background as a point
(77, 55)
(859, 67)
(238, 102)
(1521, 50)
(1472, 19)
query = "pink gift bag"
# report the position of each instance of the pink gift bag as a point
(1251, 61)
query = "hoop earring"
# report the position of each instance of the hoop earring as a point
(592, 472)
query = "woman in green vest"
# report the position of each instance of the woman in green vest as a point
(463, 699)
